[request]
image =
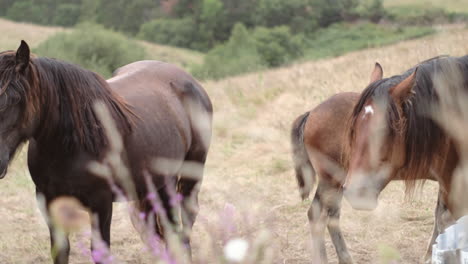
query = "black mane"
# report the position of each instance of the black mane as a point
(67, 97)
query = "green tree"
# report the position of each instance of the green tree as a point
(28, 11)
(372, 9)
(332, 11)
(187, 7)
(66, 15)
(5, 5)
(54, 12)
(294, 13)
(125, 15)
(175, 32)
(89, 10)
(211, 16)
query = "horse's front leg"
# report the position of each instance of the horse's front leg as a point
(101, 219)
(442, 219)
(59, 243)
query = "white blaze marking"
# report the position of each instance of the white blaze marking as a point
(368, 110)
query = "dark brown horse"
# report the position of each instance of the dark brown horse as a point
(393, 133)
(318, 142)
(51, 104)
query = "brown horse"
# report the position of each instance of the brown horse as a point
(393, 133)
(318, 142)
(51, 104)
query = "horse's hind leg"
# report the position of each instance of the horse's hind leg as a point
(189, 185)
(334, 229)
(325, 210)
(317, 218)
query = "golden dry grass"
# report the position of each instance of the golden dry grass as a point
(249, 167)
(14, 32)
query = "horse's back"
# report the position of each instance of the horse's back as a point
(326, 125)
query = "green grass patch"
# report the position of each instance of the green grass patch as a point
(423, 15)
(339, 39)
(449, 5)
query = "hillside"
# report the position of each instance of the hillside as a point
(13, 32)
(249, 167)
(449, 5)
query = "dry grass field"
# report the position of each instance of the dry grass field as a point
(13, 32)
(249, 168)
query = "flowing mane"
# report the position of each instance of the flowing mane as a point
(69, 97)
(65, 94)
(423, 136)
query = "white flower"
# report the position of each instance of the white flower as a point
(236, 250)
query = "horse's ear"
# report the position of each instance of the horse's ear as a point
(22, 57)
(377, 74)
(403, 90)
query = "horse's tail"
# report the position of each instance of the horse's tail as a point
(199, 111)
(305, 172)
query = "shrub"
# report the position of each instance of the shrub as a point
(371, 9)
(174, 32)
(67, 15)
(27, 11)
(277, 46)
(238, 55)
(332, 11)
(45, 12)
(295, 13)
(124, 15)
(5, 5)
(92, 47)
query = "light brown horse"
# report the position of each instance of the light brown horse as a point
(159, 110)
(318, 142)
(393, 133)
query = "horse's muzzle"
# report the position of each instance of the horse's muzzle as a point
(362, 200)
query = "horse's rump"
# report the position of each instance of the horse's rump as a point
(162, 97)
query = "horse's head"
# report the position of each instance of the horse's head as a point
(16, 77)
(377, 149)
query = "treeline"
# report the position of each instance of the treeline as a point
(238, 35)
(195, 24)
